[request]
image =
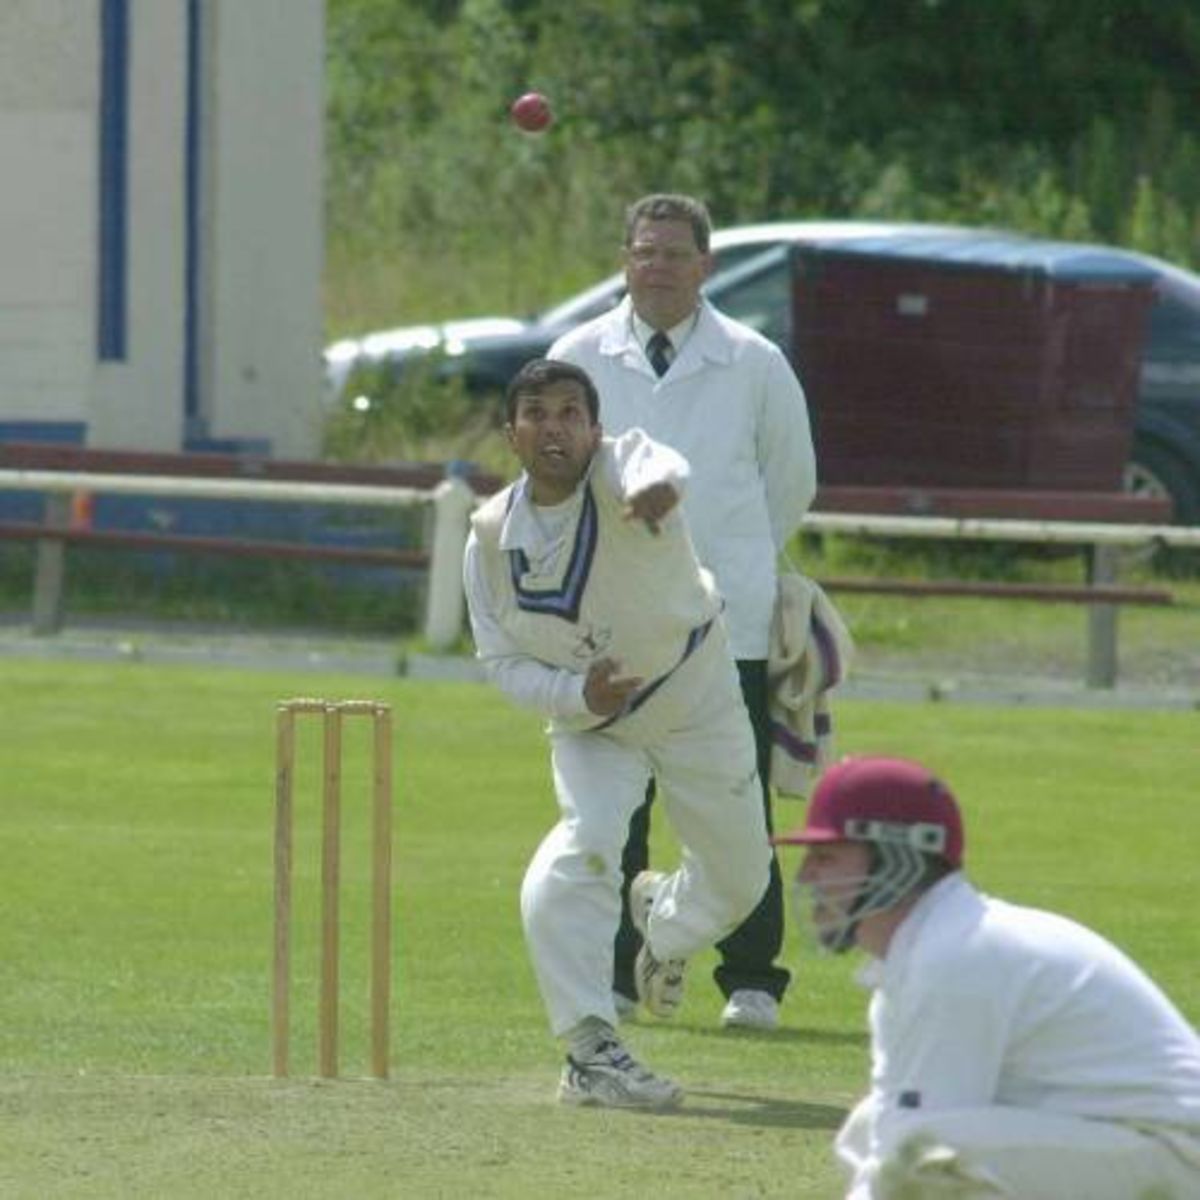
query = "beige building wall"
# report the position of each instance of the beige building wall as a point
(47, 207)
(262, 322)
(229, 353)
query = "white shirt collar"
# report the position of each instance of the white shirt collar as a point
(677, 333)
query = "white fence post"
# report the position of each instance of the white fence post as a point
(1102, 621)
(50, 569)
(453, 501)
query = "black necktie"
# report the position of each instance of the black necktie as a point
(658, 351)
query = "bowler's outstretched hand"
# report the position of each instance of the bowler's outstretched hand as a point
(605, 691)
(651, 504)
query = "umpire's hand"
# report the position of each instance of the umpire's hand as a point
(605, 691)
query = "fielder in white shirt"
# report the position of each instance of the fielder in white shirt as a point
(1014, 1052)
(589, 606)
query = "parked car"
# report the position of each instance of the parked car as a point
(752, 280)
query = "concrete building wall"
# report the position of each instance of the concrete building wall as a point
(48, 84)
(262, 324)
(219, 199)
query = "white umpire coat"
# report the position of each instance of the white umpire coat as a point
(732, 406)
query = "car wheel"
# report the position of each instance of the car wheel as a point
(1156, 471)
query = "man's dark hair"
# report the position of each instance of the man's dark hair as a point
(670, 206)
(540, 373)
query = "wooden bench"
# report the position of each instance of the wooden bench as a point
(1100, 591)
(67, 520)
(47, 456)
(67, 516)
(1033, 505)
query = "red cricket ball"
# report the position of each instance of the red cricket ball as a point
(531, 112)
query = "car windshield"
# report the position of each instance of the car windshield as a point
(586, 305)
(757, 292)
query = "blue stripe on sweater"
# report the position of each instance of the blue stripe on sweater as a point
(565, 600)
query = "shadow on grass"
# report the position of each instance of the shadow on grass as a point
(740, 1108)
(809, 1037)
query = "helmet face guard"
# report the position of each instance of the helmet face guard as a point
(838, 905)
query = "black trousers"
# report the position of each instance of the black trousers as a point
(748, 954)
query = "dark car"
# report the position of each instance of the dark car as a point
(752, 281)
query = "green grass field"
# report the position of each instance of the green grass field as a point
(135, 821)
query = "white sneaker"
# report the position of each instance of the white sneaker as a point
(612, 1078)
(748, 1009)
(659, 982)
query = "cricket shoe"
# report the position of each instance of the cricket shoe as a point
(659, 981)
(610, 1077)
(751, 1009)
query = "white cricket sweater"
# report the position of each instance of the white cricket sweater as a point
(612, 589)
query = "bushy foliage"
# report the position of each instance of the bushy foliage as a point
(423, 412)
(1015, 113)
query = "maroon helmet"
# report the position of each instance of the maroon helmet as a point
(902, 812)
(885, 801)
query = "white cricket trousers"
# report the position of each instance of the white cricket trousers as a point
(1022, 1154)
(694, 736)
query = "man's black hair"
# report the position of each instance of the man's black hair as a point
(540, 373)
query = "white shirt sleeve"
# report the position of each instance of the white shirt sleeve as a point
(525, 680)
(785, 450)
(637, 462)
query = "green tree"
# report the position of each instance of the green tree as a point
(1071, 117)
